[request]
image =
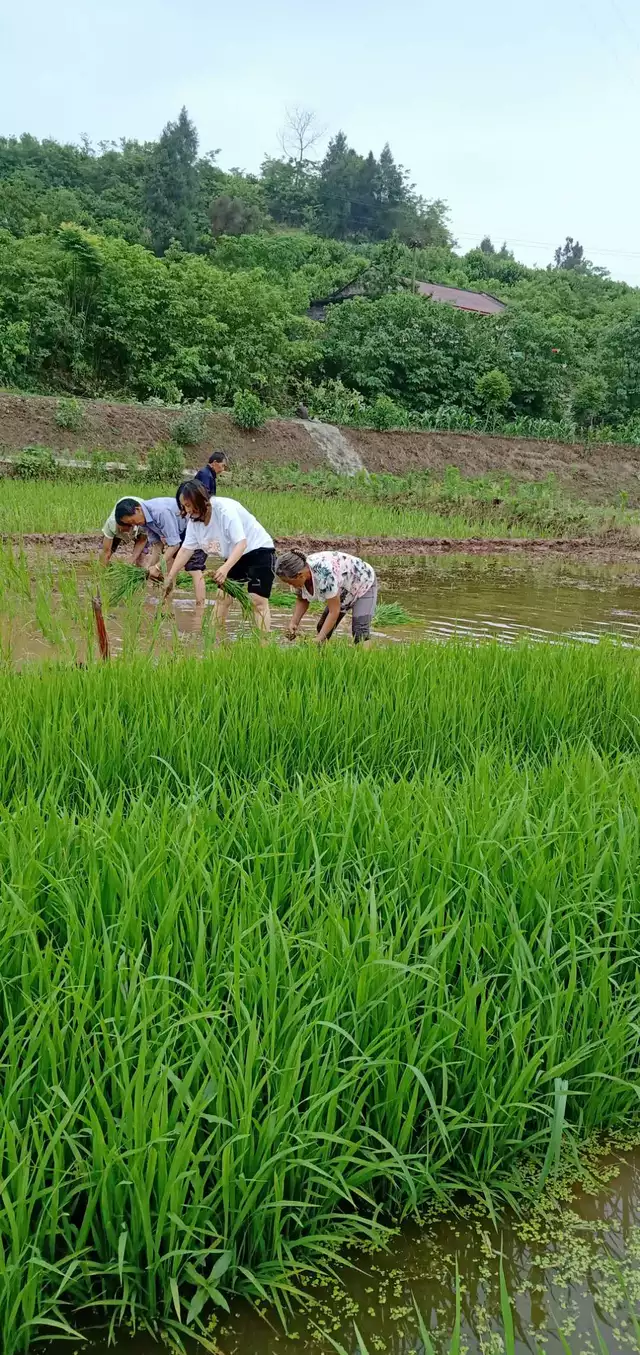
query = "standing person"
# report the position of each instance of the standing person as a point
(224, 527)
(115, 536)
(165, 528)
(344, 583)
(218, 464)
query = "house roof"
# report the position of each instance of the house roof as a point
(462, 298)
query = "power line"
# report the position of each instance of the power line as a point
(547, 244)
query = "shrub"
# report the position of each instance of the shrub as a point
(493, 391)
(589, 400)
(69, 414)
(35, 463)
(189, 428)
(385, 413)
(248, 410)
(165, 462)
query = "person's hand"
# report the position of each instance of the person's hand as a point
(168, 589)
(220, 575)
(290, 633)
(154, 572)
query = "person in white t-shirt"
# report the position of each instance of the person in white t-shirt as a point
(221, 526)
(343, 583)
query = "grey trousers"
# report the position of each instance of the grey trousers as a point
(362, 612)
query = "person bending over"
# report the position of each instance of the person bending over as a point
(344, 583)
(217, 465)
(165, 529)
(221, 526)
(116, 536)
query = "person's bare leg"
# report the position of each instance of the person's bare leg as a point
(199, 587)
(223, 604)
(262, 612)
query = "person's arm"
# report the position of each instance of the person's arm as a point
(107, 550)
(139, 548)
(300, 610)
(236, 555)
(179, 562)
(154, 571)
(331, 620)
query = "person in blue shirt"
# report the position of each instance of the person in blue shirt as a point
(208, 475)
(164, 527)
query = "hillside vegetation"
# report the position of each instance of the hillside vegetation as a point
(146, 272)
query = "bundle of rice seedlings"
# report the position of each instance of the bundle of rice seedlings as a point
(237, 592)
(123, 582)
(392, 614)
(233, 590)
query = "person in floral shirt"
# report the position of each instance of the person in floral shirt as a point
(344, 583)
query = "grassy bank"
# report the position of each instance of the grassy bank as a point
(350, 933)
(291, 502)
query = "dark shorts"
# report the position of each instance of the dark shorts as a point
(196, 561)
(257, 569)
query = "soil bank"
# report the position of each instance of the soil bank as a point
(609, 548)
(595, 473)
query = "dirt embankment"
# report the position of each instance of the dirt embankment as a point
(610, 548)
(594, 473)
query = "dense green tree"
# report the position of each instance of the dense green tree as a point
(171, 189)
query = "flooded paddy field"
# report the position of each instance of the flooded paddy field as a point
(570, 1267)
(45, 606)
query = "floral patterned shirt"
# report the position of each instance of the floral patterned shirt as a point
(335, 573)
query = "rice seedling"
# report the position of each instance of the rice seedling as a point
(123, 582)
(339, 940)
(392, 614)
(297, 512)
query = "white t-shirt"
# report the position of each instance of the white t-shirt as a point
(336, 574)
(111, 528)
(230, 522)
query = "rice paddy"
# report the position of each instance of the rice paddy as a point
(294, 943)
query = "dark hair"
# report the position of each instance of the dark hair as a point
(125, 508)
(220, 457)
(179, 492)
(195, 492)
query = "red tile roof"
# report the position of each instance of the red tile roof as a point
(465, 300)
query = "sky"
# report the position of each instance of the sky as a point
(522, 116)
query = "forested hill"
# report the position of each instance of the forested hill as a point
(146, 271)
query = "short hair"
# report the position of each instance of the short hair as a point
(125, 508)
(220, 457)
(195, 492)
(290, 564)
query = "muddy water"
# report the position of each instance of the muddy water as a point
(507, 598)
(469, 597)
(572, 1269)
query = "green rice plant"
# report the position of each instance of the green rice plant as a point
(339, 940)
(392, 614)
(123, 582)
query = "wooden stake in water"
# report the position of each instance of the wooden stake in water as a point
(103, 638)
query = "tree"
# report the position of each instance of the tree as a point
(486, 245)
(589, 400)
(234, 216)
(494, 392)
(301, 131)
(570, 255)
(172, 186)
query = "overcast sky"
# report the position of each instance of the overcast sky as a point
(522, 115)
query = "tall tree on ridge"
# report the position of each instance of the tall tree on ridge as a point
(172, 186)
